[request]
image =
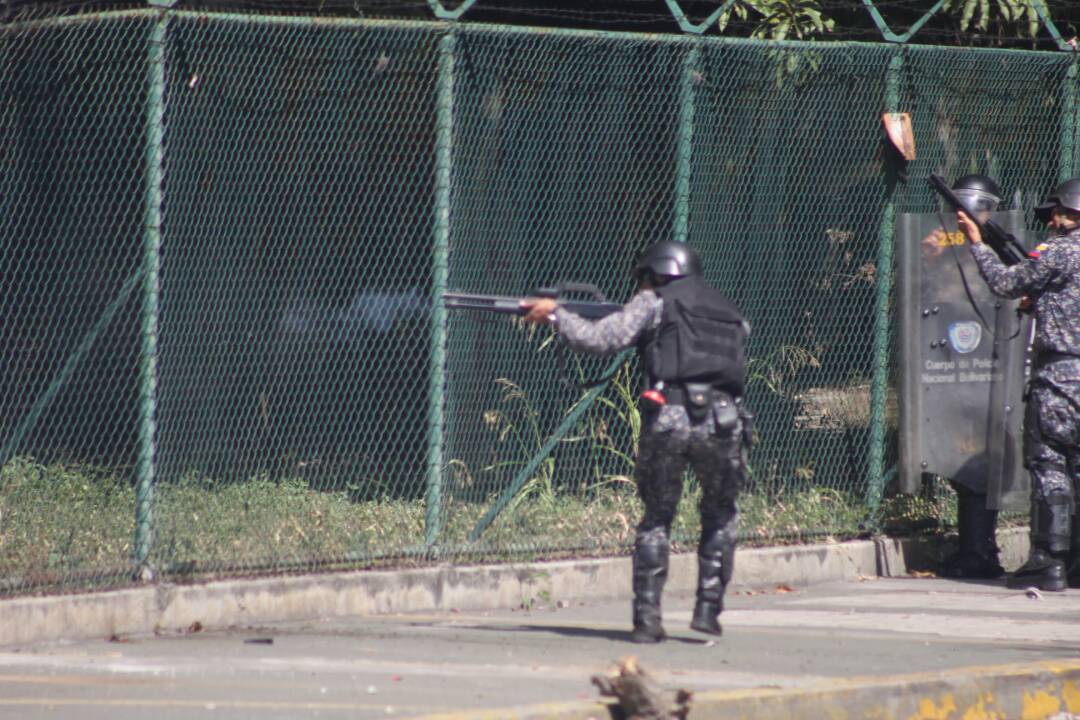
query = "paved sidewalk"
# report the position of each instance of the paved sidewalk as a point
(915, 647)
(228, 603)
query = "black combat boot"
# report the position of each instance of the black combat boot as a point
(1045, 568)
(716, 560)
(977, 556)
(650, 574)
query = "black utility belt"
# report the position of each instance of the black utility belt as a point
(696, 394)
(700, 400)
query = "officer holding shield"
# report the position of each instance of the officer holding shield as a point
(977, 556)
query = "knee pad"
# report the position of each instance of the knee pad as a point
(651, 546)
(651, 536)
(650, 564)
(717, 548)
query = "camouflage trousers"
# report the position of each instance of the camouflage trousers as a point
(1052, 433)
(718, 462)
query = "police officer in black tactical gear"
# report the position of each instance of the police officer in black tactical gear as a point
(1050, 279)
(691, 340)
(977, 556)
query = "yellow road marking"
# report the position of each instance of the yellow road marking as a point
(837, 687)
(233, 704)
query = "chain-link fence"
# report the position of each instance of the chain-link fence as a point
(225, 239)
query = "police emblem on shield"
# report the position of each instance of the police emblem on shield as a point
(965, 336)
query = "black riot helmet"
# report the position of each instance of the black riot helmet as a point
(978, 192)
(1066, 195)
(668, 260)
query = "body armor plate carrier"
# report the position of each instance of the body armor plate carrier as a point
(701, 338)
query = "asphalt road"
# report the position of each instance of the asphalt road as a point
(405, 666)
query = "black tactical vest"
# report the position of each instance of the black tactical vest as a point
(701, 337)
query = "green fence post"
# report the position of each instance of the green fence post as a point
(1051, 28)
(887, 32)
(879, 385)
(684, 154)
(155, 137)
(444, 137)
(688, 27)
(443, 14)
(1070, 124)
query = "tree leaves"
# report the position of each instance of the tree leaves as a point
(805, 19)
(781, 19)
(983, 15)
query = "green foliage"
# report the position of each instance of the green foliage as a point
(799, 515)
(932, 510)
(76, 524)
(516, 423)
(57, 519)
(781, 19)
(805, 20)
(603, 436)
(982, 15)
(777, 369)
(201, 523)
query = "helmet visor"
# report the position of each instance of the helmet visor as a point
(976, 201)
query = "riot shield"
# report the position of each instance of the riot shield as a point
(962, 365)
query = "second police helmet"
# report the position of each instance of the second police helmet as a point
(1065, 195)
(668, 260)
(978, 192)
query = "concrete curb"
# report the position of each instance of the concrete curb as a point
(216, 605)
(1033, 691)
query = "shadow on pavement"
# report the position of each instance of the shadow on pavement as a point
(584, 632)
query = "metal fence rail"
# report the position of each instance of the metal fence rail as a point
(224, 239)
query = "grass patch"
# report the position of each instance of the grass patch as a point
(59, 520)
(63, 525)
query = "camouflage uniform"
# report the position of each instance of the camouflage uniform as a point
(1052, 427)
(670, 443)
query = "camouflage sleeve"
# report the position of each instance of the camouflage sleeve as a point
(613, 333)
(1013, 281)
